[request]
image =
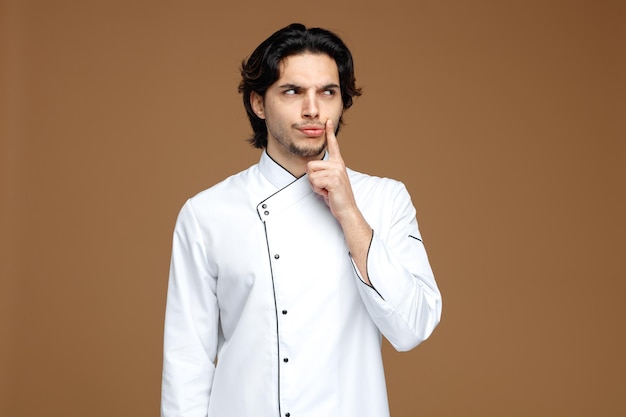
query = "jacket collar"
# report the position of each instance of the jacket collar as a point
(276, 173)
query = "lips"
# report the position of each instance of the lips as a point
(312, 131)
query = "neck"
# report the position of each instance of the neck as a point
(296, 165)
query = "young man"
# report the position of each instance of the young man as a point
(284, 276)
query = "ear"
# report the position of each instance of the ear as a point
(256, 101)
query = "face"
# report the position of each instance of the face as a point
(297, 105)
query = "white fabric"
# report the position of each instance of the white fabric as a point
(266, 313)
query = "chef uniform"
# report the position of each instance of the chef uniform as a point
(267, 314)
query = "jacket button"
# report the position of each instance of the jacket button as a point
(287, 414)
(284, 311)
(264, 206)
(276, 256)
(266, 212)
(286, 360)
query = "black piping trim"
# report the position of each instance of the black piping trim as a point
(366, 270)
(272, 195)
(270, 156)
(292, 182)
(417, 238)
(267, 243)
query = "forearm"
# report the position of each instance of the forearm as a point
(402, 297)
(358, 235)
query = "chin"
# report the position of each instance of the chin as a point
(308, 151)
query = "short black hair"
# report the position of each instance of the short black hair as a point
(262, 68)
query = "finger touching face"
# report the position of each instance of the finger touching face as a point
(332, 144)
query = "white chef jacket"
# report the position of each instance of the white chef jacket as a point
(267, 315)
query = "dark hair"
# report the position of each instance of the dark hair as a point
(262, 68)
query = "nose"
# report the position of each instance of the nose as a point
(310, 108)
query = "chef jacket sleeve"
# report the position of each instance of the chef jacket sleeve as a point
(403, 299)
(191, 323)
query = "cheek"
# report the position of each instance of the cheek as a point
(278, 110)
(273, 117)
(337, 112)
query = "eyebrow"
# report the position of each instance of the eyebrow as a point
(297, 87)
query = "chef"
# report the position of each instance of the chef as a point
(285, 276)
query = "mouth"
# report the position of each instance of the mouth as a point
(312, 131)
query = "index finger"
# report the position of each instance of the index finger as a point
(332, 145)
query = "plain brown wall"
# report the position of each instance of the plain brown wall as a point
(505, 119)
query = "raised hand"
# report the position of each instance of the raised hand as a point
(330, 179)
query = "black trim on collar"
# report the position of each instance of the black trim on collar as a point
(273, 160)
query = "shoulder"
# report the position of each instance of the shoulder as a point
(367, 184)
(222, 200)
(225, 190)
(380, 198)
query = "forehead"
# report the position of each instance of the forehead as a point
(308, 68)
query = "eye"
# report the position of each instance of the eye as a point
(329, 92)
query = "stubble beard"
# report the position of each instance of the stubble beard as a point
(306, 152)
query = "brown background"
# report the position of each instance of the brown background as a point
(505, 119)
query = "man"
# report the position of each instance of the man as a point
(284, 276)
